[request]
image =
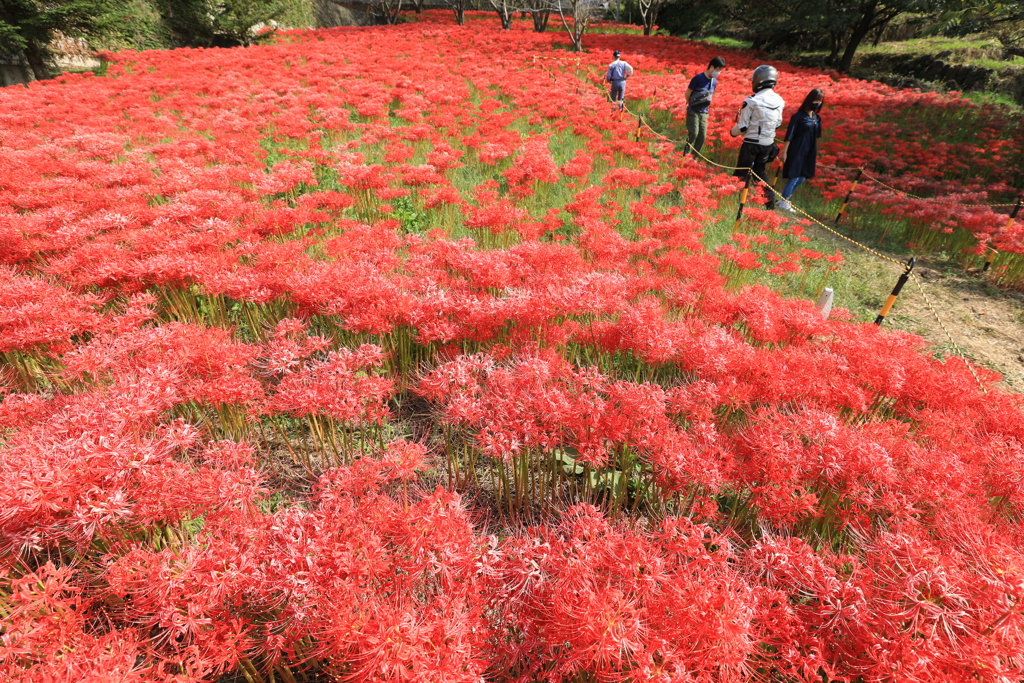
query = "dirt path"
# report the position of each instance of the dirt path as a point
(984, 321)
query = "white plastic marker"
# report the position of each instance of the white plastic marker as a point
(824, 304)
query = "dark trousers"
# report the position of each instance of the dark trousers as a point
(756, 158)
(696, 130)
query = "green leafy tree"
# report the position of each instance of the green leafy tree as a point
(837, 26)
(27, 27)
(840, 26)
(1004, 20)
(689, 17)
(141, 27)
(218, 23)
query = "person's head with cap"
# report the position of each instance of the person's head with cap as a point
(616, 54)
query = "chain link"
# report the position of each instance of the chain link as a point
(927, 199)
(959, 352)
(820, 224)
(956, 348)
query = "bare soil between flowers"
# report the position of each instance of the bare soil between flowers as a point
(985, 322)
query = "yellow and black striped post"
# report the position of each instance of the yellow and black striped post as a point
(744, 193)
(846, 202)
(639, 125)
(896, 291)
(989, 258)
(1009, 222)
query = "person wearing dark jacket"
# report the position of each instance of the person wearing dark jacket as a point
(799, 154)
(698, 101)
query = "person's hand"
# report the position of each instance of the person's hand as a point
(782, 157)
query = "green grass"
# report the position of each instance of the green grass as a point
(979, 53)
(994, 64)
(976, 51)
(991, 99)
(861, 283)
(623, 29)
(722, 41)
(972, 50)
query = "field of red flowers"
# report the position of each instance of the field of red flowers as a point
(393, 355)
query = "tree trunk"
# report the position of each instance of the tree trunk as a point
(879, 31)
(650, 16)
(835, 44)
(576, 31)
(391, 15)
(851, 48)
(35, 55)
(651, 20)
(859, 32)
(577, 37)
(26, 72)
(540, 20)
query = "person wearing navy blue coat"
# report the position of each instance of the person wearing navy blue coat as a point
(799, 154)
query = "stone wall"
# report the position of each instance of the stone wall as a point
(11, 71)
(331, 13)
(69, 54)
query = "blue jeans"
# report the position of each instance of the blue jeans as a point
(791, 185)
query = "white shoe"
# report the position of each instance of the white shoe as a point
(786, 206)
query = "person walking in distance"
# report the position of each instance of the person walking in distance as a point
(757, 120)
(618, 72)
(799, 154)
(698, 100)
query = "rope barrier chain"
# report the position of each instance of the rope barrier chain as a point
(907, 274)
(959, 352)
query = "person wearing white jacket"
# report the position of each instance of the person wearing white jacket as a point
(757, 121)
